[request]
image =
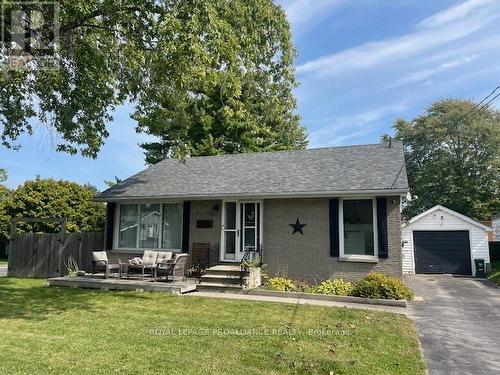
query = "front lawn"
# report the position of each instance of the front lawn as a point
(494, 275)
(3, 262)
(62, 331)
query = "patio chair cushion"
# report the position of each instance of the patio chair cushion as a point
(100, 258)
(135, 261)
(179, 255)
(163, 256)
(149, 258)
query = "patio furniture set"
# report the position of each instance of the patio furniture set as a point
(154, 264)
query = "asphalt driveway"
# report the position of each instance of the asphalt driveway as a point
(3, 271)
(458, 323)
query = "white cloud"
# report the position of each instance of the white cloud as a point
(338, 130)
(425, 74)
(304, 14)
(385, 52)
(454, 13)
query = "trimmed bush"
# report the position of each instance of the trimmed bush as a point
(377, 285)
(337, 287)
(281, 284)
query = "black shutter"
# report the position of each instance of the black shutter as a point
(334, 227)
(382, 227)
(186, 213)
(110, 225)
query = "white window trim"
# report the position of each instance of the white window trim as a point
(137, 249)
(355, 257)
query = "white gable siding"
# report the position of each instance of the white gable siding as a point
(495, 223)
(407, 250)
(441, 220)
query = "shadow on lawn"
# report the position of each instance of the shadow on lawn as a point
(21, 299)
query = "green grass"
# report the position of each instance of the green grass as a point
(63, 331)
(494, 275)
(3, 262)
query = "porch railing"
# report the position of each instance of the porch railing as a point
(251, 255)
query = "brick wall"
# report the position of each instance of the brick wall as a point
(204, 210)
(308, 256)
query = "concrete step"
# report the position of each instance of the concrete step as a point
(224, 270)
(210, 272)
(221, 279)
(218, 287)
(226, 267)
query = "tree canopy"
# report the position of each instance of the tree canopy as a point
(3, 195)
(205, 77)
(112, 182)
(3, 189)
(453, 158)
(42, 198)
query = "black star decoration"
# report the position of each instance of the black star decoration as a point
(297, 227)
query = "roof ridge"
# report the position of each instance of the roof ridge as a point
(339, 168)
(282, 151)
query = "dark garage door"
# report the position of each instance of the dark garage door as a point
(442, 252)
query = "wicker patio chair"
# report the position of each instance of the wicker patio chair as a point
(200, 255)
(176, 267)
(100, 262)
(148, 263)
(164, 256)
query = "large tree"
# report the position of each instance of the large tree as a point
(42, 198)
(205, 76)
(4, 191)
(453, 158)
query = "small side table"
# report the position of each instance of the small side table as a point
(123, 270)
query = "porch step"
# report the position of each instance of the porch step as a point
(224, 270)
(221, 279)
(218, 287)
(225, 267)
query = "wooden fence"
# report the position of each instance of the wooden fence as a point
(44, 255)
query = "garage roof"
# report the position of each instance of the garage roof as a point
(451, 212)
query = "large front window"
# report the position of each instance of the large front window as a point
(358, 219)
(172, 226)
(150, 226)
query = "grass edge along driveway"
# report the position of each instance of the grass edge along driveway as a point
(494, 275)
(62, 330)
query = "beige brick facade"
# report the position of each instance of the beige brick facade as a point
(302, 256)
(308, 256)
(205, 210)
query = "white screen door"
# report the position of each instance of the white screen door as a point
(230, 231)
(241, 228)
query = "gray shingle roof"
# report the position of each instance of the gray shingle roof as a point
(321, 171)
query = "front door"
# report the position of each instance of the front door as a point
(241, 228)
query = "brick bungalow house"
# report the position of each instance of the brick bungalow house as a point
(312, 214)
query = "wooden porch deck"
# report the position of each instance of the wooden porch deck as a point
(100, 283)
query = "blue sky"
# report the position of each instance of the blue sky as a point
(361, 65)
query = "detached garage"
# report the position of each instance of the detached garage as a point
(441, 240)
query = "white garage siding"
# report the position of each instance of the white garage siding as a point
(495, 223)
(442, 218)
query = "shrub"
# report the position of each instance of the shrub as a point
(302, 286)
(377, 285)
(337, 287)
(282, 284)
